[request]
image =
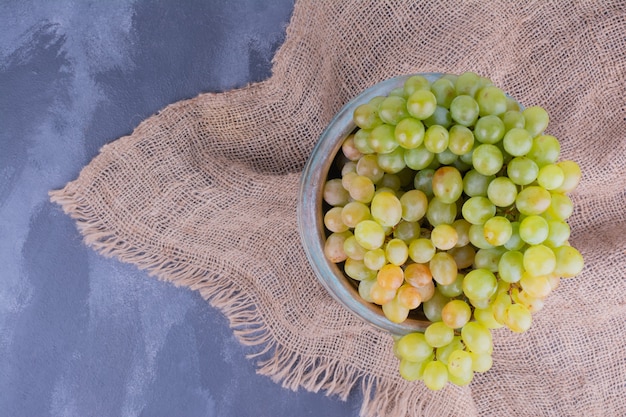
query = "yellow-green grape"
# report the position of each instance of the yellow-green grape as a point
(357, 270)
(334, 193)
(418, 158)
(392, 109)
(479, 284)
(454, 289)
(539, 260)
(396, 252)
(392, 162)
(534, 229)
(361, 141)
(436, 138)
(536, 119)
(460, 364)
(497, 230)
(467, 83)
(441, 116)
(456, 313)
(477, 237)
(485, 317)
(413, 371)
(477, 338)
(522, 170)
(536, 286)
(333, 221)
(374, 259)
(487, 159)
(413, 347)
(368, 167)
(561, 207)
(407, 230)
(491, 101)
(476, 184)
(569, 261)
(444, 236)
(415, 83)
(349, 149)
(444, 91)
(369, 234)
(354, 213)
(386, 209)
(511, 266)
(515, 242)
(421, 104)
(533, 200)
(502, 192)
(409, 133)
(463, 256)
(481, 362)
(347, 177)
(361, 189)
(477, 210)
(447, 184)
(435, 375)
(489, 129)
(460, 140)
(499, 306)
(333, 247)
(544, 150)
(443, 353)
(439, 212)
(353, 250)
(433, 306)
(422, 250)
(414, 205)
(395, 311)
(391, 181)
(366, 116)
(365, 287)
(517, 141)
(572, 174)
(488, 258)
(550, 176)
(438, 334)
(443, 268)
(512, 119)
(382, 139)
(518, 318)
(464, 110)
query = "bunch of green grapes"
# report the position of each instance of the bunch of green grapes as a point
(451, 202)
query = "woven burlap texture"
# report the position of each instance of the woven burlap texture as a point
(204, 194)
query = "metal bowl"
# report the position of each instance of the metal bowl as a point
(311, 216)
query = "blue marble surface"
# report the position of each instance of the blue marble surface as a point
(82, 335)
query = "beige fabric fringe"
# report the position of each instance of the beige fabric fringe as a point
(204, 195)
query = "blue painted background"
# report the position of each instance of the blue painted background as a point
(82, 335)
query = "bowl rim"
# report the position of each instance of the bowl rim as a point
(310, 218)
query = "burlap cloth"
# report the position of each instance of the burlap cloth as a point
(204, 195)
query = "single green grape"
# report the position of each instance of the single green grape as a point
(479, 284)
(366, 116)
(441, 117)
(460, 140)
(464, 110)
(409, 133)
(497, 230)
(421, 250)
(435, 375)
(533, 200)
(536, 120)
(491, 101)
(544, 150)
(421, 104)
(487, 159)
(502, 192)
(534, 229)
(413, 347)
(522, 170)
(477, 338)
(386, 209)
(369, 234)
(439, 212)
(477, 210)
(418, 158)
(512, 119)
(447, 184)
(489, 129)
(392, 162)
(382, 139)
(517, 141)
(436, 138)
(444, 91)
(392, 110)
(539, 260)
(438, 334)
(511, 266)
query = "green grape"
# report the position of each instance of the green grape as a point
(333, 221)
(414, 205)
(418, 158)
(447, 184)
(365, 287)
(489, 129)
(467, 157)
(536, 286)
(396, 92)
(357, 270)
(479, 284)
(487, 159)
(467, 83)
(485, 317)
(515, 242)
(462, 227)
(453, 289)
(415, 83)
(497, 230)
(392, 162)
(432, 307)
(333, 247)
(444, 236)
(443, 353)
(349, 150)
(499, 306)
(476, 184)
(396, 252)
(512, 105)
(421, 104)
(511, 266)
(456, 313)
(409, 133)
(518, 318)
(460, 364)
(407, 230)
(421, 250)
(443, 268)
(375, 259)
(558, 233)
(361, 141)
(534, 229)
(366, 116)
(376, 100)
(413, 347)
(435, 375)
(438, 334)
(394, 311)
(436, 138)
(348, 167)
(572, 174)
(512, 119)
(412, 371)
(446, 157)
(491, 101)
(369, 234)
(464, 110)
(440, 117)
(334, 193)
(544, 150)
(386, 209)
(522, 170)
(368, 167)
(539, 260)
(439, 212)
(477, 210)
(361, 189)
(460, 140)
(481, 362)
(392, 109)
(569, 261)
(488, 258)
(477, 237)
(536, 120)
(463, 255)
(550, 176)
(354, 213)
(477, 338)
(382, 139)
(353, 250)
(533, 200)
(517, 141)
(391, 181)
(444, 91)
(501, 191)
